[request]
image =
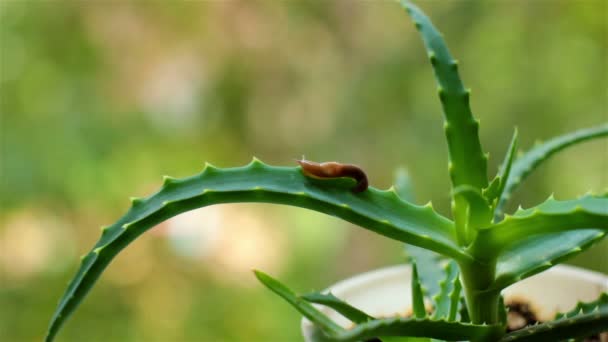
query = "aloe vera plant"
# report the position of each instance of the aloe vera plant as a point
(460, 265)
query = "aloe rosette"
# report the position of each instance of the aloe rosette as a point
(460, 264)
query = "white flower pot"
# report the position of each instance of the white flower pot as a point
(386, 292)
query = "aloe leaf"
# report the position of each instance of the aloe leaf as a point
(538, 253)
(497, 186)
(588, 319)
(446, 301)
(343, 308)
(308, 310)
(479, 213)
(552, 216)
(438, 329)
(463, 311)
(403, 339)
(417, 296)
(430, 272)
(468, 165)
(455, 296)
(584, 308)
(502, 311)
(380, 211)
(529, 161)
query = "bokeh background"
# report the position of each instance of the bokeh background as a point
(99, 99)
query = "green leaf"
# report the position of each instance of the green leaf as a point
(430, 272)
(446, 302)
(417, 296)
(468, 164)
(588, 319)
(464, 312)
(538, 253)
(584, 308)
(343, 308)
(321, 320)
(503, 312)
(399, 326)
(479, 213)
(497, 186)
(552, 216)
(404, 339)
(380, 211)
(525, 164)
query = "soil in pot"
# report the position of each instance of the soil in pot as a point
(521, 314)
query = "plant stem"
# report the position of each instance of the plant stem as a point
(482, 304)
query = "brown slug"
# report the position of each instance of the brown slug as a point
(335, 170)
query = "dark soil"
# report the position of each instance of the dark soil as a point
(521, 314)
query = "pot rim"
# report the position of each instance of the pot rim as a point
(354, 283)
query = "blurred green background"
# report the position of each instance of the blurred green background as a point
(99, 99)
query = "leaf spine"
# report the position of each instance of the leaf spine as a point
(136, 200)
(467, 94)
(441, 93)
(209, 168)
(255, 162)
(432, 58)
(454, 64)
(168, 180)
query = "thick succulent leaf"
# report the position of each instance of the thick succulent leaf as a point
(308, 310)
(497, 186)
(468, 165)
(438, 329)
(455, 296)
(503, 311)
(417, 296)
(590, 318)
(584, 308)
(478, 213)
(340, 306)
(463, 311)
(446, 301)
(380, 211)
(529, 161)
(430, 271)
(552, 216)
(538, 253)
(403, 339)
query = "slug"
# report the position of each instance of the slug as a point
(335, 170)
